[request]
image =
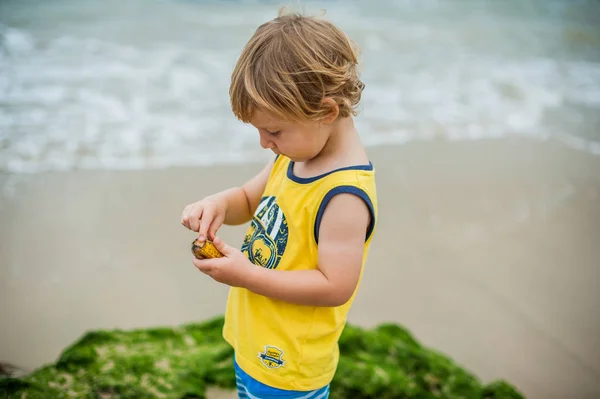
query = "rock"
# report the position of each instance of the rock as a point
(181, 362)
(10, 370)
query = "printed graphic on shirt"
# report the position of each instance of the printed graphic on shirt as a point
(271, 357)
(267, 235)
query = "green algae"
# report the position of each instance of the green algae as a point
(181, 362)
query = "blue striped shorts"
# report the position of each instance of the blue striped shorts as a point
(249, 388)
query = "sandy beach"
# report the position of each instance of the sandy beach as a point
(487, 251)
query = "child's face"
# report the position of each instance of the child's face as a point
(297, 141)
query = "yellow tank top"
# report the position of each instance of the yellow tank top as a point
(284, 345)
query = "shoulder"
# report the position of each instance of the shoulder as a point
(347, 208)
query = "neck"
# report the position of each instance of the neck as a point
(343, 147)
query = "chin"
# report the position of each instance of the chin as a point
(299, 159)
(295, 158)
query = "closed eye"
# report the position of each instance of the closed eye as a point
(274, 133)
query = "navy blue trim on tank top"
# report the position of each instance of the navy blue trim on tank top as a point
(344, 190)
(306, 180)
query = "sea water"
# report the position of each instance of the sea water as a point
(144, 83)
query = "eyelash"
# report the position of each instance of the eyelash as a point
(274, 133)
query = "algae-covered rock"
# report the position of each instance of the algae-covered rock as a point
(388, 362)
(180, 362)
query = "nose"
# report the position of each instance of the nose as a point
(265, 142)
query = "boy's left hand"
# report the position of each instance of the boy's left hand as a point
(232, 269)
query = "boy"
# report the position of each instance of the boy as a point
(312, 209)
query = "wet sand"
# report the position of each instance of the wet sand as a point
(487, 251)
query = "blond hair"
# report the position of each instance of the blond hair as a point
(290, 65)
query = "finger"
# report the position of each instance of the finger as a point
(205, 222)
(185, 217)
(214, 227)
(221, 246)
(194, 219)
(204, 265)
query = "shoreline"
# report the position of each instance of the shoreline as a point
(566, 142)
(484, 249)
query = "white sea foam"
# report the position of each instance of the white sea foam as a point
(95, 88)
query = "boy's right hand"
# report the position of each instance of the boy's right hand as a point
(205, 217)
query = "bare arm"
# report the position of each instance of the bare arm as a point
(241, 202)
(341, 247)
(232, 206)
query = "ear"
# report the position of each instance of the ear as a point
(333, 110)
